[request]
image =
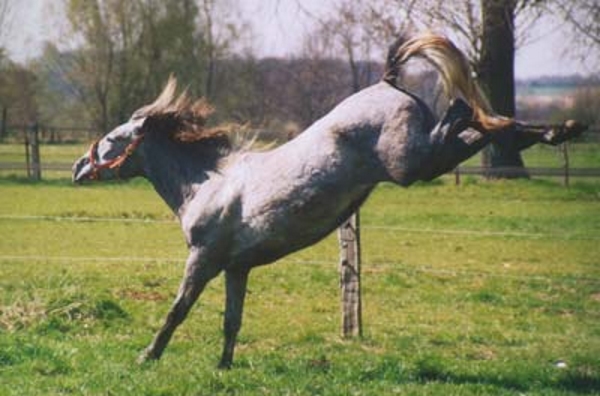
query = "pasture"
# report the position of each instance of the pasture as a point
(483, 288)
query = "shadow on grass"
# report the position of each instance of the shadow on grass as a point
(572, 382)
(383, 371)
(517, 379)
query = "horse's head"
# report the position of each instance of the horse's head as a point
(114, 156)
(170, 119)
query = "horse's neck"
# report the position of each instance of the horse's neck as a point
(174, 172)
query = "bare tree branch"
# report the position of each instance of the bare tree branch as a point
(6, 11)
(583, 15)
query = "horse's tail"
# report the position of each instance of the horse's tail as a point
(454, 69)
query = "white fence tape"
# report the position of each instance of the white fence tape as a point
(397, 266)
(482, 233)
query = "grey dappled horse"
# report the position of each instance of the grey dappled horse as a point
(240, 209)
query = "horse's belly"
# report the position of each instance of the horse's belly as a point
(273, 234)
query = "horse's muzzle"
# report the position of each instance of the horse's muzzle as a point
(82, 170)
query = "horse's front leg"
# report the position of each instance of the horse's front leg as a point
(235, 284)
(197, 274)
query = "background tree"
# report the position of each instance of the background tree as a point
(126, 51)
(359, 31)
(5, 23)
(349, 36)
(496, 70)
(4, 7)
(96, 23)
(227, 41)
(583, 16)
(500, 35)
(17, 94)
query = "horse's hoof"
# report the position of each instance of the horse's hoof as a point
(142, 359)
(146, 357)
(575, 128)
(224, 366)
(570, 129)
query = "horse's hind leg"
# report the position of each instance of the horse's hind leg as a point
(454, 121)
(235, 283)
(197, 274)
(452, 142)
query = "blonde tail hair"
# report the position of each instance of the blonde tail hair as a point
(455, 71)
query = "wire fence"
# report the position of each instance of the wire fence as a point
(376, 260)
(367, 227)
(396, 266)
(48, 134)
(33, 150)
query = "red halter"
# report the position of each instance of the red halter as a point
(114, 163)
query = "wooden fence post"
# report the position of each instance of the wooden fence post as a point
(36, 165)
(349, 240)
(565, 153)
(27, 154)
(457, 176)
(3, 131)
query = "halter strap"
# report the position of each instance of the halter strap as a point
(114, 163)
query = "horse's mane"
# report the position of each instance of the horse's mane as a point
(184, 119)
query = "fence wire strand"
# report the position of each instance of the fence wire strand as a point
(373, 263)
(393, 229)
(396, 266)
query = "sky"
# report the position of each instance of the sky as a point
(278, 27)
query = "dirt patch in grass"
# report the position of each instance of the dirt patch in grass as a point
(141, 295)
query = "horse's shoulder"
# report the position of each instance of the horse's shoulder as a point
(212, 205)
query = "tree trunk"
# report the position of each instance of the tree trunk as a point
(496, 71)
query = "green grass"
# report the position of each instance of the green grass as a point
(472, 290)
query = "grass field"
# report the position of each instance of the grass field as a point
(485, 288)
